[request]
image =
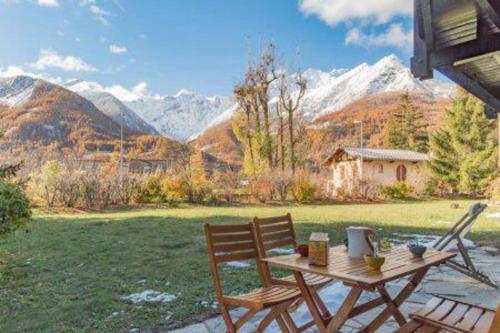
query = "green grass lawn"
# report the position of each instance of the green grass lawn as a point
(68, 273)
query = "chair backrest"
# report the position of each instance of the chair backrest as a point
(495, 325)
(462, 227)
(274, 232)
(229, 243)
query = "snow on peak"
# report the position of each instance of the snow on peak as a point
(184, 92)
(78, 86)
(16, 90)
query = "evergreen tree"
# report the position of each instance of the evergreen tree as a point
(445, 162)
(406, 127)
(464, 152)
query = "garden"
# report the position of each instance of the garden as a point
(147, 268)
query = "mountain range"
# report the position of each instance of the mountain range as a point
(35, 112)
(186, 115)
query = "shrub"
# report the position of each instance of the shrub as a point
(304, 188)
(128, 188)
(199, 191)
(14, 206)
(226, 183)
(46, 182)
(68, 187)
(172, 189)
(281, 183)
(400, 190)
(150, 189)
(493, 191)
(89, 190)
(261, 189)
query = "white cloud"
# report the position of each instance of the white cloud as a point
(394, 36)
(50, 58)
(15, 71)
(100, 14)
(337, 11)
(362, 16)
(86, 2)
(122, 93)
(98, 11)
(116, 49)
(48, 3)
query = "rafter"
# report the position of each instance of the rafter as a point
(470, 85)
(486, 7)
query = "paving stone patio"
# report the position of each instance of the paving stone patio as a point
(439, 281)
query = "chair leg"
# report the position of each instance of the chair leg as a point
(291, 324)
(321, 305)
(275, 314)
(282, 324)
(246, 317)
(231, 328)
(268, 319)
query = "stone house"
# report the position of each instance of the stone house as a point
(365, 170)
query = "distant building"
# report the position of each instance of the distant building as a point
(353, 168)
(137, 165)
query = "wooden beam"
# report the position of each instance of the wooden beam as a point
(463, 51)
(470, 85)
(422, 39)
(492, 10)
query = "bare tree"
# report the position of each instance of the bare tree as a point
(291, 103)
(265, 75)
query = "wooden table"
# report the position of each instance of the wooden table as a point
(355, 274)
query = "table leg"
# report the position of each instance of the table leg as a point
(309, 299)
(343, 313)
(398, 300)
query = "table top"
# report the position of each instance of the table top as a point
(399, 262)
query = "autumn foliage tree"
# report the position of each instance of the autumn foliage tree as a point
(268, 131)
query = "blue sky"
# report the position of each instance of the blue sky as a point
(201, 45)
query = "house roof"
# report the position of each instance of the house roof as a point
(374, 154)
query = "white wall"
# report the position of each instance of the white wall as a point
(416, 174)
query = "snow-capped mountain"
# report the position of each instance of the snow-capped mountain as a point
(331, 92)
(14, 91)
(110, 105)
(180, 116)
(186, 115)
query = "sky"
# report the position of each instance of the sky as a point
(136, 47)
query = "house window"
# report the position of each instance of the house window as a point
(380, 168)
(342, 172)
(401, 173)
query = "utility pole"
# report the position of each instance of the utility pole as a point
(360, 122)
(120, 172)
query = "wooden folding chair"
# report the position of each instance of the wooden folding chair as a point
(237, 242)
(278, 232)
(457, 233)
(443, 315)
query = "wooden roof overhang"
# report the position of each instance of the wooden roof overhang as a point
(460, 39)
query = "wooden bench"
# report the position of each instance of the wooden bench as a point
(443, 315)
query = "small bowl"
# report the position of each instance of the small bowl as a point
(417, 250)
(374, 262)
(303, 250)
